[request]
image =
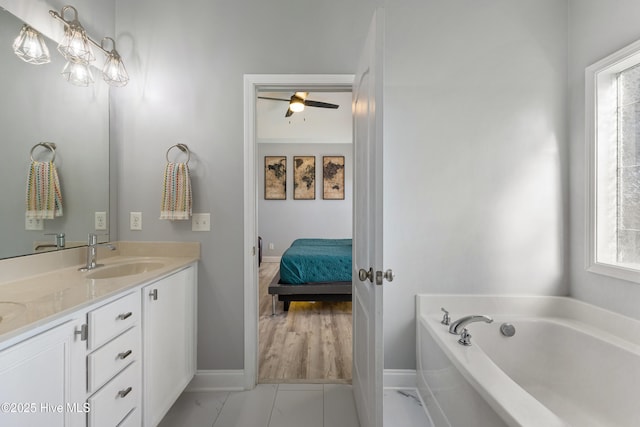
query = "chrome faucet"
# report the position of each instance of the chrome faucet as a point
(92, 252)
(459, 327)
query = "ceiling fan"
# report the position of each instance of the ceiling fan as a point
(298, 101)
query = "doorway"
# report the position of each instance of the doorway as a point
(253, 168)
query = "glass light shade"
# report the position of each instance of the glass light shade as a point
(75, 46)
(113, 71)
(296, 105)
(77, 73)
(30, 46)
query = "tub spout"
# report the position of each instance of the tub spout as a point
(458, 327)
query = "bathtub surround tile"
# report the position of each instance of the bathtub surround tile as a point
(403, 407)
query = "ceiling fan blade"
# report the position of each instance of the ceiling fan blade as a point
(274, 99)
(288, 113)
(310, 103)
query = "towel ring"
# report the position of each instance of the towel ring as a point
(49, 145)
(181, 147)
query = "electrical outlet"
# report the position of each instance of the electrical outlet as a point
(33, 224)
(271, 246)
(201, 222)
(135, 220)
(101, 221)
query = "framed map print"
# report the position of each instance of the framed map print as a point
(333, 177)
(275, 177)
(304, 177)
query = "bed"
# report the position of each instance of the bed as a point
(313, 270)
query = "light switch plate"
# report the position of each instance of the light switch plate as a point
(201, 222)
(101, 221)
(135, 220)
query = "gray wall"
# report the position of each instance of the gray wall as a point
(187, 65)
(475, 154)
(282, 221)
(597, 28)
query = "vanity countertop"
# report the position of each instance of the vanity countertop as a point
(30, 301)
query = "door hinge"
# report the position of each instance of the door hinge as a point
(83, 332)
(253, 251)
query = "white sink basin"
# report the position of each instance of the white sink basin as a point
(10, 310)
(121, 270)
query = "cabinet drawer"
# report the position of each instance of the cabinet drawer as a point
(115, 400)
(134, 419)
(111, 358)
(112, 319)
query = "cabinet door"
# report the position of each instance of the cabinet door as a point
(168, 329)
(41, 379)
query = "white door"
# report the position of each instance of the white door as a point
(367, 223)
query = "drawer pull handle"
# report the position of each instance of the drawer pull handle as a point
(154, 294)
(123, 393)
(125, 315)
(125, 354)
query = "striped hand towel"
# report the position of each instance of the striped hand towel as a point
(176, 192)
(44, 198)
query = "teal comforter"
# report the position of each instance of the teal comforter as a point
(316, 260)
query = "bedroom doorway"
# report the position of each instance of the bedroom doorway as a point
(312, 341)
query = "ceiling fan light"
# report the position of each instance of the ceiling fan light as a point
(297, 104)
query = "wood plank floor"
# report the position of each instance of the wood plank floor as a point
(309, 343)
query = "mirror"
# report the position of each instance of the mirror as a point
(37, 105)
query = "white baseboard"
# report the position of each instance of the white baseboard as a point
(234, 380)
(271, 258)
(217, 380)
(400, 378)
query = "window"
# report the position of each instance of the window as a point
(613, 131)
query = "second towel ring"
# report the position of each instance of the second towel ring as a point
(48, 145)
(181, 147)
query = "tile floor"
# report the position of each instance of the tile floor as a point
(290, 405)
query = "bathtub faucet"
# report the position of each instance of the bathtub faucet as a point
(459, 327)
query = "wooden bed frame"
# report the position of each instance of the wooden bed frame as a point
(318, 291)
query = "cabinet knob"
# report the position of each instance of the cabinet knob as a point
(123, 393)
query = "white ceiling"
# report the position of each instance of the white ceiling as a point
(313, 125)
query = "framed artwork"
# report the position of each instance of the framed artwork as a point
(304, 177)
(275, 177)
(333, 177)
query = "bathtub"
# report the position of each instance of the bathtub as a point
(568, 364)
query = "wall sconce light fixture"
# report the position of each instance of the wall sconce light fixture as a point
(75, 43)
(30, 46)
(113, 71)
(77, 73)
(76, 48)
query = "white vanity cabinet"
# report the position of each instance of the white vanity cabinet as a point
(169, 341)
(42, 379)
(114, 376)
(119, 362)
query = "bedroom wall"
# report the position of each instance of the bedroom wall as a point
(187, 65)
(282, 221)
(476, 167)
(597, 28)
